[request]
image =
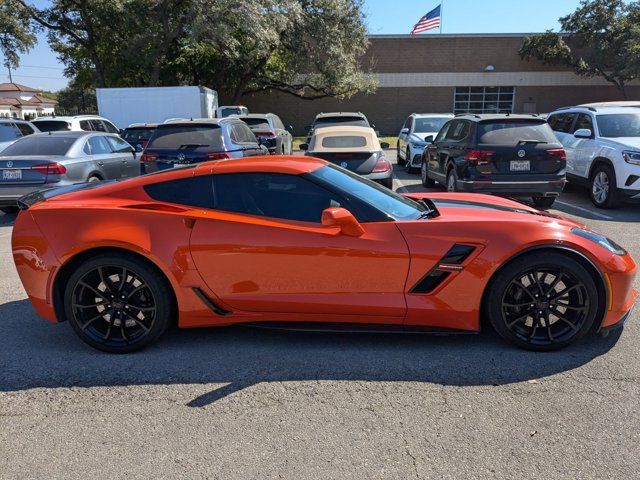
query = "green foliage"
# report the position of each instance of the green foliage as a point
(17, 34)
(76, 99)
(601, 38)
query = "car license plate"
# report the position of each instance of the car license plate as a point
(520, 165)
(12, 175)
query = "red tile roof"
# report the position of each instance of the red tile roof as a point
(16, 87)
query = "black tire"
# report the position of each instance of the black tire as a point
(9, 210)
(603, 190)
(96, 300)
(424, 175)
(452, 180)
(543, 202)
(399, 160)
(565, 317)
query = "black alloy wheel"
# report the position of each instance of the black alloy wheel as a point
(543, 301)
(424, 175)
(117, 303)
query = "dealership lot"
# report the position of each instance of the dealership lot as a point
(240, 403)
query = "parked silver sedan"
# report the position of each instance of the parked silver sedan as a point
(45, 160)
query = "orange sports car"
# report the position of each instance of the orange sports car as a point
(296, 242)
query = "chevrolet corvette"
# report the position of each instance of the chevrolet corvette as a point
(299, 243)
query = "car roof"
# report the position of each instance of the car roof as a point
(432, 115)
(344, 130)
(142, 125)
(200, 121)
(72, 134)
(625, 103)
(340, 114)
(64, 118)
(610, 109)
(479, 117)
(252, 115)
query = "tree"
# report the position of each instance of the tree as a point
(17, 34)
(77, 98)
(601, 38)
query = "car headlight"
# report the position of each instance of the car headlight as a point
(415, 144)
(631, 157)
(605, 242)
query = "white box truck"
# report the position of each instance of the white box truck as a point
(124, 106)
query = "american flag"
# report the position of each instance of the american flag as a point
(430, 21)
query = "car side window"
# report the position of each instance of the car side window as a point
(98, 126)
(111, 128)
(562, 122)
(191, 192)
(584, 121)
(277, 122)
(458, 131)
(443, 132)
(118, 145)
(99, 146)
(85, 125)
(244, 134)
(275, 195)
(24, 129)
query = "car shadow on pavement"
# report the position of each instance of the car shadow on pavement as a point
(35, 353)
(7, 219)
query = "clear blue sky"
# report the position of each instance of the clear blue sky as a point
(41, 69)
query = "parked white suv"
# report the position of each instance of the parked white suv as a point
(78, 123)
(412, 139)
(603, 150)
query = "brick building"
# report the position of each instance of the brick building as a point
(448, 73)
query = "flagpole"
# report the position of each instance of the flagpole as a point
(441, 15)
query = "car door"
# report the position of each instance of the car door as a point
(562, 126)
(264, 249)
(433, 153)
(123, 152)
(109, 166)
(584, 147)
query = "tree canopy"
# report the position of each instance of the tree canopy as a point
(17, 33)
(601, 38)
(308, 48)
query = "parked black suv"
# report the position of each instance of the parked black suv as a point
(509, 155)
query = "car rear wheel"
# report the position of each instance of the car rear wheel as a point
(542, 301)
(400, 161)
(117, 303)
(424, 175)
(543, 202)
(604, 193)
(452, 180)
(94, 178)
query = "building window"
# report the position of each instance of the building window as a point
(483, 99)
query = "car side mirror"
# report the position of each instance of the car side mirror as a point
(404, 131)
(428, 139)
(384, 145)
(290, 128)
(307, 128)
(138, 148)
(304, 147)
(583, 133)
(343, 218)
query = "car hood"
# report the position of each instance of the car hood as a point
(623, 142)
(419, 137)
(477, 207)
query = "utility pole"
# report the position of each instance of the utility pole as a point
(9, 68)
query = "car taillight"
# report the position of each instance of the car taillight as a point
(265, 133)
(217, 156)
(50, 169)
(480, 157)
(558, 152)
(149, 157)
(382, 165)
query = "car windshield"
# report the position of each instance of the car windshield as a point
(344, 141)
(350, 121)
(186, 136)
(40, 145)
(429, 125)
(393, 204)
(52, 125)
(225, 112)
(513, 133)
(256, 123)
(8, 132)
(137, 134)
(619, 125)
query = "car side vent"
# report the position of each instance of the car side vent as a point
(631, 180)
(457, 254)
(430, 281)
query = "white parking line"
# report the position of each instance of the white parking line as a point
(586, 210)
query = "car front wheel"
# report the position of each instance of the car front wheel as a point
(604, 193)
(118, 303)
(400, 161)
(424, 175)
(542, 301)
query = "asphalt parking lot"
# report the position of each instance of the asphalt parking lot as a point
(240, 403)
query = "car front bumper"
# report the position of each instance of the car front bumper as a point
(543, 188)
